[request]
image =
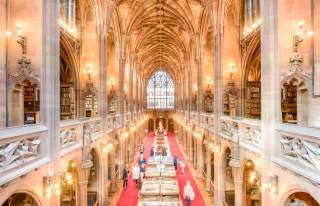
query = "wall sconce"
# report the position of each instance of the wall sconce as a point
(253, 27)
(87, 69)
(22, 41)
(111, 83)
(271, 184)
(209, 82)
(299, 35)
(69, 29)
(49, 186)
(107, 147)
(125, 135)
(232, 69)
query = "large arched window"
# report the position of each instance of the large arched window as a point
(160, 91)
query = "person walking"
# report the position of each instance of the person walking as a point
(152, 151)
(135, 174)
(142, 160)
(125, 174)
(175, 162)
(140, 181)
(188, 193)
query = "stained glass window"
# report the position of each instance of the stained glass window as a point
(160, 91)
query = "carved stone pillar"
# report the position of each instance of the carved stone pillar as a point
(208, 176)
(219, 191)
(83, 181)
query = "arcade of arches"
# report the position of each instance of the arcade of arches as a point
(228, 90)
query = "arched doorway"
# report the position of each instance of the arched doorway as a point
(229, 180)
(301, 199)
(69, 184)
(93, 180)
(252, 182)
(20, 199)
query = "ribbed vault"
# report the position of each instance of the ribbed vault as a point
(160, 34)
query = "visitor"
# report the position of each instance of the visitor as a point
(152, 151)
(142, 160)
(164, 152)
(140, 181)
(188, 193)
(175, 162)
(125, 175)
(141, 148)
(135, 174)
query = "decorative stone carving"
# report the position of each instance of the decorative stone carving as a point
(252, 136)
(230, 129)
(19, 151)
(302, 151)
(68, 136)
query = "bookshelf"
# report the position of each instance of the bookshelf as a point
(91, 105)
(66, 102)
(253, 100)
(112, 102)
(289, 103)
(31, 104)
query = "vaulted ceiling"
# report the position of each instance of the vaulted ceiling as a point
(160, 33)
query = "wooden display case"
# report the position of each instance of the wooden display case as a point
(66, 102)
(31, 104)
(253, 100)
(289, 103)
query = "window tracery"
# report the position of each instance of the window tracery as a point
(160, 91)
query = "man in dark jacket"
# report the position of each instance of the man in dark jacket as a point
(152, 152)
(125, 175)
(175, 162)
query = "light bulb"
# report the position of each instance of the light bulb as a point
(310, 33)
(8, 33)
(18, 25)
(301, 23)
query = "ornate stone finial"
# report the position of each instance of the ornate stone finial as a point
(296, 62)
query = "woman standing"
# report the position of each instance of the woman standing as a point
(188, 193)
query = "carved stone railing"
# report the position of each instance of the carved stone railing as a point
(207, 120)
(246, 132)
(229, 129)
(298, 149)
(22, 149)
(193, 117)
(72, 133)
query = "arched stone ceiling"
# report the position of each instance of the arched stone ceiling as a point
(160, 33)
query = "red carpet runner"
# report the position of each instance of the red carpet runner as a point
(183, 178)
(129, 196)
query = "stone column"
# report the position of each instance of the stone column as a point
(122, 62)
(103, 110)
(208, 176)
(83, 183)
(131, 92)
(219, 191)
(270, 87)
(50, 89)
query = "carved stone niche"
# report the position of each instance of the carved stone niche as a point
(23, 97)
(295, 96)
